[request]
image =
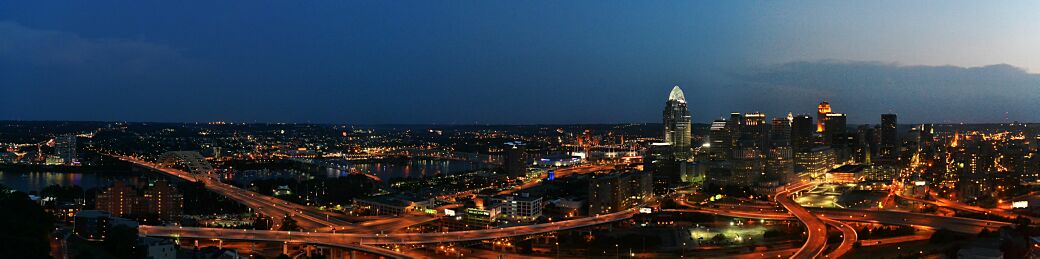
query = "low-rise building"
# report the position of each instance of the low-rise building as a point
(846, 174)
(384, 205)
(613, 192)
(816, 162)
(522, 207)
(94, 224)
(157, 248)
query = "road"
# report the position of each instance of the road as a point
(952, 204)
(382, 239)
(783, 253)
(956, 224)
(922, 235)
(848, 234)
(817, 230)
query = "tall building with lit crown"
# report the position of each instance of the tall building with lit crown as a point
(677, 123)
(821, 117)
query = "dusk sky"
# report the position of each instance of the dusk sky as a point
(516, 62)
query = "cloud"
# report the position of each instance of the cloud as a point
(917, 93)
(51, 48)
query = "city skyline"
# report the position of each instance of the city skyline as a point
(508, 63)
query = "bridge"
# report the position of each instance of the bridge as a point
(308, 217)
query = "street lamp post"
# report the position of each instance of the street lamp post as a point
(683, 248)
(557, 249)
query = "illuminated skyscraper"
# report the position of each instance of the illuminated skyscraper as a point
(821, 116)
(677, 123)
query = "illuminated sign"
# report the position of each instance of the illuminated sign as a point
(551, 175)
(646, 210)
(1020, 204)
(476, 211)
(920, 183)
(449, 212)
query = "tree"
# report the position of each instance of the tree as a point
(121, 242)
(718, 238)
(262, 222)
(24, 226)
(289, 224)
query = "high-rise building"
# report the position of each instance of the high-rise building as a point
(65, 148)
(836, 131)
(754, 131)
(780, 164)
(677, 129)
(158, 200)
(515, 159)
(802, 133)
(816, 162)
(747, 166)
(734, 126)
(863, 144)
(821, 117)
(837, 135)
(615, 192)
(889, 149)
(780, 132)
(721, 141)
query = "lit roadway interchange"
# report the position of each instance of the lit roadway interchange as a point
(382, 239)
(956, 224)
(817, 230)
(946, 203)
(833, 216)
(361, 235)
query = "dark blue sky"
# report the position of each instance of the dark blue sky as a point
(514, 62)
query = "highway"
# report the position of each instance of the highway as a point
(922, 235)
(307, 217)
(381, 239)
(817, 230)
(956, 224)
(947, 203)
(849, 237)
